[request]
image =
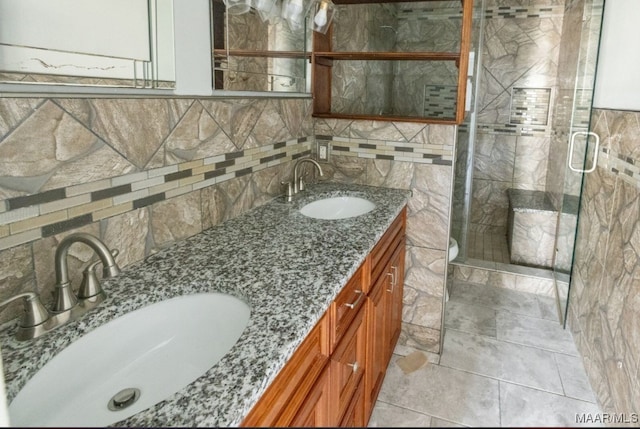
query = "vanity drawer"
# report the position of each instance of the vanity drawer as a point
(345, 307)
(382, 252)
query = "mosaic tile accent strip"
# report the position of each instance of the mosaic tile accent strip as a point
(624, 167)
(582, 114)
(512, 129)
(500, 12)
(392, 151)
(540, 11)
(415, 12)
(440, 101)
(530, 106)
(31, 217)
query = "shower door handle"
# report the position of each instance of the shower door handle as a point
(595, 154)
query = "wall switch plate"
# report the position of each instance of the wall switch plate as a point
(323, 151)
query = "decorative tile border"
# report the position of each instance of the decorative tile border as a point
(28, 218)
(499, 12)
(624, 167)
(541, 11)
(416, 12)
(393, 151)
(511, 129)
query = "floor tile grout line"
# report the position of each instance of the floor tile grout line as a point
(512, 342)
(547, 392)
(539, 389)
(499, 405)
(431, 416)
(500, 380)
(555, 360)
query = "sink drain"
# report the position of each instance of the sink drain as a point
(124, 399)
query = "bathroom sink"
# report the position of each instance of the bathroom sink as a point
(337, 208)
(140, 358)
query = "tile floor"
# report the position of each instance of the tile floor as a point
(488, 247)
(506, 362)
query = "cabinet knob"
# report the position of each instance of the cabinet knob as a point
(355, 366)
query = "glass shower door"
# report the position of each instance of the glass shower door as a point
(572, 138)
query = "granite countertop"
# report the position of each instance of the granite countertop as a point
(286, 266)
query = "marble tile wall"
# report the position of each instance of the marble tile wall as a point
(388, 163)
(139, 173)
(604, 305)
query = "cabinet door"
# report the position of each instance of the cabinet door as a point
(347, 367)
(355, 416)
(281, 401)
(377, 340)
(314, 411)
(395, 291)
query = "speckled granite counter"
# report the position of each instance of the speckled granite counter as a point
(286, 266)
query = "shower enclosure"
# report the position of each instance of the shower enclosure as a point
(521, 154)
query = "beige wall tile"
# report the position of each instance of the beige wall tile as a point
(39, 221)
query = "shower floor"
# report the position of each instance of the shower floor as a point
(488, 247)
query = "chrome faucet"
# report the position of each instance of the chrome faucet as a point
(64, 298)
(298, 183)
(67, 306)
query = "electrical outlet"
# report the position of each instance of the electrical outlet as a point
(323, 151)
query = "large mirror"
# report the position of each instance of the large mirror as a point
(155, 47)
(256, 49)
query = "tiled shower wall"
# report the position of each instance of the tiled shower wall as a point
(406, 156)
(604, 306)
(519, 58)
(138, 173)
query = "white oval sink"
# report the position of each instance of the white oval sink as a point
(158, 349)
(337, 208)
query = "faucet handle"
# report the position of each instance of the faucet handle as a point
(90, 285)
(113, 270)
(289, 193)
(34, 312)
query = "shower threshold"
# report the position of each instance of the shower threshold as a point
(510, 276)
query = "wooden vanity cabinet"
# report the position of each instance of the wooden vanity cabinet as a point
(384, 307)
(335, 375)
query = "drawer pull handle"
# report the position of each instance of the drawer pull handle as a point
(353, 305)
(354, 365)
(392, 282)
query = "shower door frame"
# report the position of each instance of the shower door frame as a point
(565, 223)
